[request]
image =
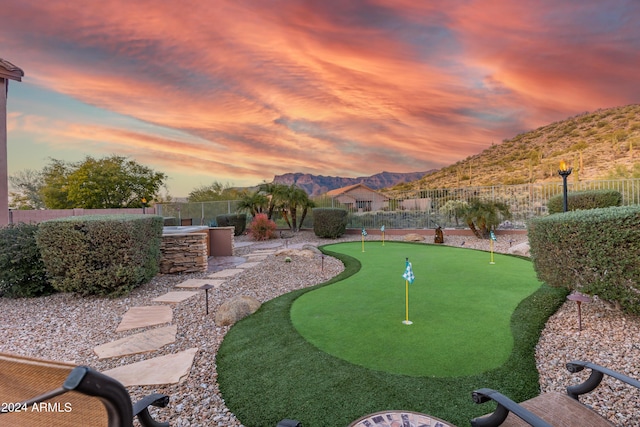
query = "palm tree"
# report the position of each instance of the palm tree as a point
(483, 217)
(273, 192)
(254, 203)
(306, 205)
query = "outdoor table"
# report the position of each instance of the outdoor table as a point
(399, 419)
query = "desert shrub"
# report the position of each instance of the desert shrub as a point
(590, 199)
(594, 251)
(262, 228)
(22, 272)
(100, 254)
(329, 222)
(237, 221)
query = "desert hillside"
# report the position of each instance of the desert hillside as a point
(598, 145)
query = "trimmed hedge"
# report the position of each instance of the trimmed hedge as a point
(22, 272)
(238, 221)
(329, 222)
(595, 251)
(101, 254)
(590, 199)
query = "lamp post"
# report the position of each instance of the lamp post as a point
(564, 172)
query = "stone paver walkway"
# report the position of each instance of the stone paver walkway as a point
(171, 368)
(225, 273)
(150, 340)
(175, 296)
(168, 369)
(139, 317)
(198, 283)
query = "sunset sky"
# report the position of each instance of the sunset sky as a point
(238, 91)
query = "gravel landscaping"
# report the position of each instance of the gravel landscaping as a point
(67, 328)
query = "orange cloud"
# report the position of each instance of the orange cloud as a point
(250, 90)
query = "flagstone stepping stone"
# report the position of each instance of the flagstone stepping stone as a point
(263, 246)
(256, 258)
(139, 317)
(169, 369)
(249, 265)
(175, 296)
(198, 283)
(263, 251)
(142, 342)
(226, 273)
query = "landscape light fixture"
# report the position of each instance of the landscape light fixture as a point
(564, 172)
(206, 291)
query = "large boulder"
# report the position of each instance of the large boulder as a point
(413, 237)
(235, 309)
(304, 253)
(520, 249)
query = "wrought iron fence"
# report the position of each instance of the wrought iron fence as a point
(418, 209)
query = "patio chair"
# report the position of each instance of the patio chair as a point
(546, 410)
(552, 408)
(39, 393)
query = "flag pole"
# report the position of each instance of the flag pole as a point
(406, 321)
(492, 238)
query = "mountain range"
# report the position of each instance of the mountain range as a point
(316, 185)
(602, 144)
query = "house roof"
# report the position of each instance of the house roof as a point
(343, 190)
(10, 71)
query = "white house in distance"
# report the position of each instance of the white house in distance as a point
(359, 198)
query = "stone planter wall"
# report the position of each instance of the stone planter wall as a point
(183, 253)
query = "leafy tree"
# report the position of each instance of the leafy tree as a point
(483, 217)
(110, 182)
(213, 192)
(54, 192)
(27, 185)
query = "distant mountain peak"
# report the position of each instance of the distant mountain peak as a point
(316, 185)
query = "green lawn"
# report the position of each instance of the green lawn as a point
(267, 371)
(460, 305)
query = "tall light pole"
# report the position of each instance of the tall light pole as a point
(564, 172)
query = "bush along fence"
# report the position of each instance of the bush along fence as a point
(419, 209)
(594, 251)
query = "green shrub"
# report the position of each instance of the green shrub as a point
(22, 272)
(262, 228)
(238, 221)
(101, 254)
(594, 251)
(590, 199)
(329, 222)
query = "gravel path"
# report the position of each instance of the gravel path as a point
(67, 328)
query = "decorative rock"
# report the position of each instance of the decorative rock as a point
(235, 309)
(305, 253)
(520, 249)
(413, 237)
(312, 248)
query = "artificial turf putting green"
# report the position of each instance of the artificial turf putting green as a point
(459, 303)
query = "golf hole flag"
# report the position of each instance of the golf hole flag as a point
(408, 273)
(408, 278)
